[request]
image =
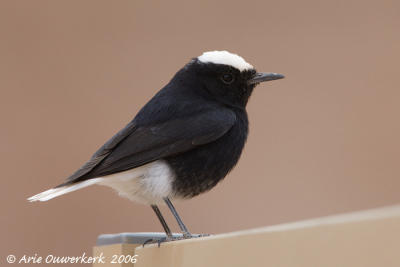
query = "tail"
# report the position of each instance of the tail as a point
(62, 189)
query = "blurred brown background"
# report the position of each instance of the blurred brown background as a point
(324, 140)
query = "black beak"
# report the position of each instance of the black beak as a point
(263, 77)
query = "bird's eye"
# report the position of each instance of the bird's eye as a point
(227, 78)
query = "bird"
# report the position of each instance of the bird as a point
(182, 142)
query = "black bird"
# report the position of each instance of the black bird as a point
(182, 142)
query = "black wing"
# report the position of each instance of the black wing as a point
(136, 145)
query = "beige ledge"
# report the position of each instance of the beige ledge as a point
(361, 239)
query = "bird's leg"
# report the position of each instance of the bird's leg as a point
(184, 230)
(162, 221)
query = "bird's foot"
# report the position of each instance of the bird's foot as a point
(174, 238)
(160, 240)
(189, 235)
(155, 241)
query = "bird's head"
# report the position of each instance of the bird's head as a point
(226, 77)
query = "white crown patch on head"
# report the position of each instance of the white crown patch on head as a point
(225, 58)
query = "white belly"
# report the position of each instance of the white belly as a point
(147, 184)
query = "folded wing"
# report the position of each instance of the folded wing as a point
(137, 145)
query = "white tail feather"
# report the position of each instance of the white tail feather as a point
(55, 192)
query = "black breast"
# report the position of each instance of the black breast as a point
(200, 169)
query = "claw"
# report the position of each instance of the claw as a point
(167, 239)
(188, 235)
(148, 241)
(158, 241)
(153, 241)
